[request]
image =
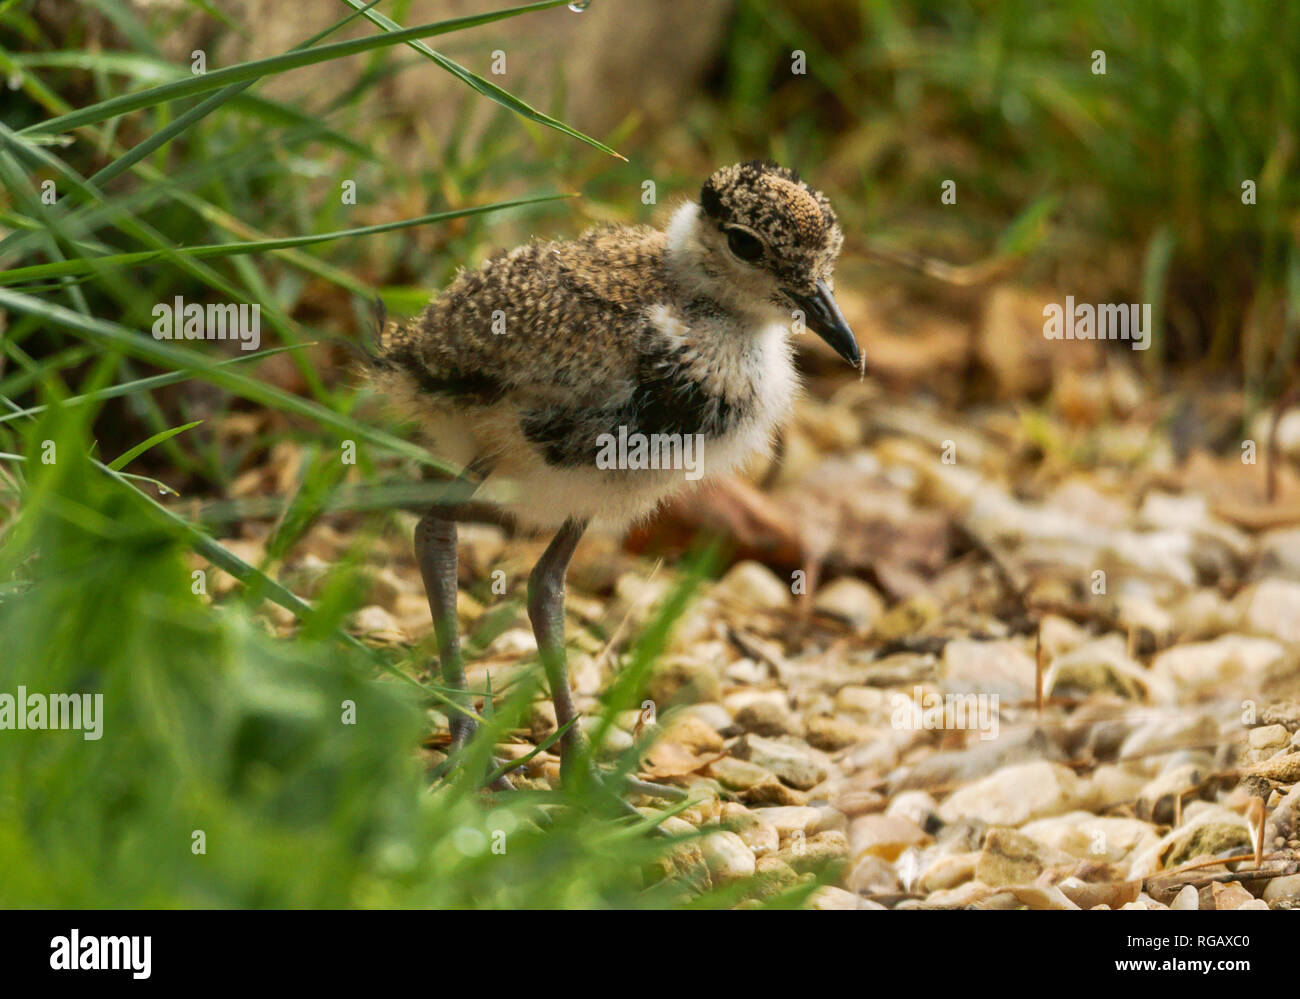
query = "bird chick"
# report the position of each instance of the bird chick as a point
(588, 380)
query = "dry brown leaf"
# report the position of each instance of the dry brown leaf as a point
(671, 759)
(1236, 491)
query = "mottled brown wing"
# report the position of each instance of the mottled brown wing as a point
(547, 322)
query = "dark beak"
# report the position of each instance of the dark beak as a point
(827, 321)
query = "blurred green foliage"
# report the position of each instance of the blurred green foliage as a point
(1143, 164)
(234, 769)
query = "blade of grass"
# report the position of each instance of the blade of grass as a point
(122, 460)
(210, 250)
(485, 87)
(260, 68)
(143, 384)
(532, 754)
(148, 70)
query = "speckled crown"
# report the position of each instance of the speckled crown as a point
(795, 221)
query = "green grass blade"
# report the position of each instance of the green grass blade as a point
(485, 87)
(86, 265)
(125, 459)
(142, 384)
(258, 69)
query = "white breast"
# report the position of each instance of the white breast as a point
(769, 368)
(741, 364)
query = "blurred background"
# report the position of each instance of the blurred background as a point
(949, 513)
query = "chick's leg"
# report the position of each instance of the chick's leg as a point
(546, 612)
(435, 551)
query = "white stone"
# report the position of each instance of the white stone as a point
(753, 585)
(728, 857)
(1015, 795)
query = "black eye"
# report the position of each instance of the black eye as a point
(745, 245)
